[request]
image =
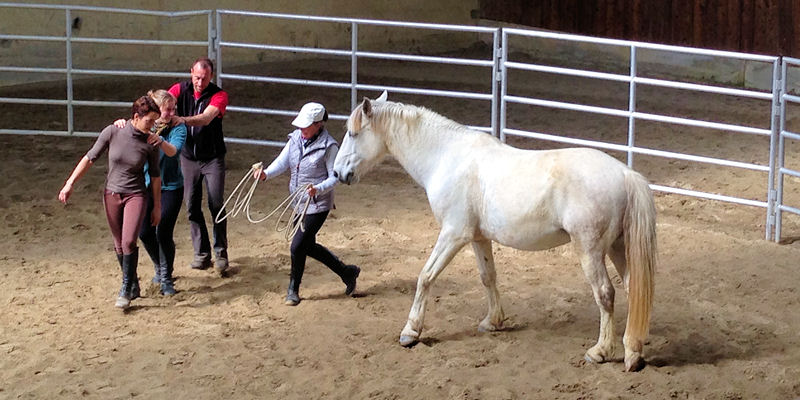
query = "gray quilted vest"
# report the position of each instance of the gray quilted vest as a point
(307, 165)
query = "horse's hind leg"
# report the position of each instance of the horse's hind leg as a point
(617, 255)
(483, 254)
(593, 264)
(446, 247)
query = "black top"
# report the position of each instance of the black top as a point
(203, 143)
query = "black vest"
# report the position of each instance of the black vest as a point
(203, 143)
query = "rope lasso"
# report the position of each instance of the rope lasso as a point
(242, 202)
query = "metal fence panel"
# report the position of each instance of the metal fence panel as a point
(355, 54)
(784, 172)
(634, 80)
(70, 72)
(499, 65)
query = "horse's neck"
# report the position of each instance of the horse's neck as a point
(419, 149)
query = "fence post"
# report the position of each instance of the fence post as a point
(497, 80)
(632, 107)
(503, 83)
(214, 38)
(781, 151)
(775, 132)
(353, 65)
(68, 44)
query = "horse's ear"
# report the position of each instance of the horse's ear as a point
(366, 107)
(383, 96)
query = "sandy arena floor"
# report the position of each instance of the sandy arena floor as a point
(725, 324)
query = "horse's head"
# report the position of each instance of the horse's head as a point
(363, 147)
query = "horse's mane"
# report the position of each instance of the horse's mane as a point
(415, 116)
(416, 126)
(390, 115)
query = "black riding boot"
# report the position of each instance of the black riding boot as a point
(136, 291)
(124, 298)
(347, 273)
(350, 279)
(165, 276)
(129, 279)
(293, 292)
(151, 246)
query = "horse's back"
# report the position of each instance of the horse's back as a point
(538, 199)
(556, 175)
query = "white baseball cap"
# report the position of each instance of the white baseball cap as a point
(310, 113)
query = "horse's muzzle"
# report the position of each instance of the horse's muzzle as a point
(348, 178)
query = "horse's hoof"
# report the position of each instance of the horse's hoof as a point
(488, 328)
(597, 356)
(635, 364)
(408, 341)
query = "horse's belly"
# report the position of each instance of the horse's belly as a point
(534, 241)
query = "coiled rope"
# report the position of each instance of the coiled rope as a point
(242, 202)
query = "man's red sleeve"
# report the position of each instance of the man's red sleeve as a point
(219, 100)
(175, 90)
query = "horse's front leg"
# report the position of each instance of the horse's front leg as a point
(447, 245)
(483, 254)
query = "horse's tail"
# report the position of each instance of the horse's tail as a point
(640, 253)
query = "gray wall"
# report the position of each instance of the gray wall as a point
(21, 21)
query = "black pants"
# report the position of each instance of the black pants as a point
(212, 173)
(305, 244)
(158, 240)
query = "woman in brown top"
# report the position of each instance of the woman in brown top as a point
(124, 196)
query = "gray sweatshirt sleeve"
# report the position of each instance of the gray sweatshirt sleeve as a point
(328, 184)
(280, 164)
(101, 144)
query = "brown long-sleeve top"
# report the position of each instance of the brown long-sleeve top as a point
(128, 151)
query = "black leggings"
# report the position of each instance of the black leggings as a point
(158, 240)
(305, 244)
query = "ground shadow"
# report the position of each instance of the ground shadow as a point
(789, 240)
(696, 342)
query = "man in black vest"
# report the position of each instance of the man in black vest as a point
(201, 106)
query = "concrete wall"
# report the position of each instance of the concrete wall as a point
(22, 21)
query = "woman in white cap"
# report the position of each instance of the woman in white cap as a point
(309, 154)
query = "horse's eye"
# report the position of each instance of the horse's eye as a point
(353, 134)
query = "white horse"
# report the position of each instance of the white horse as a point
(481, 190)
